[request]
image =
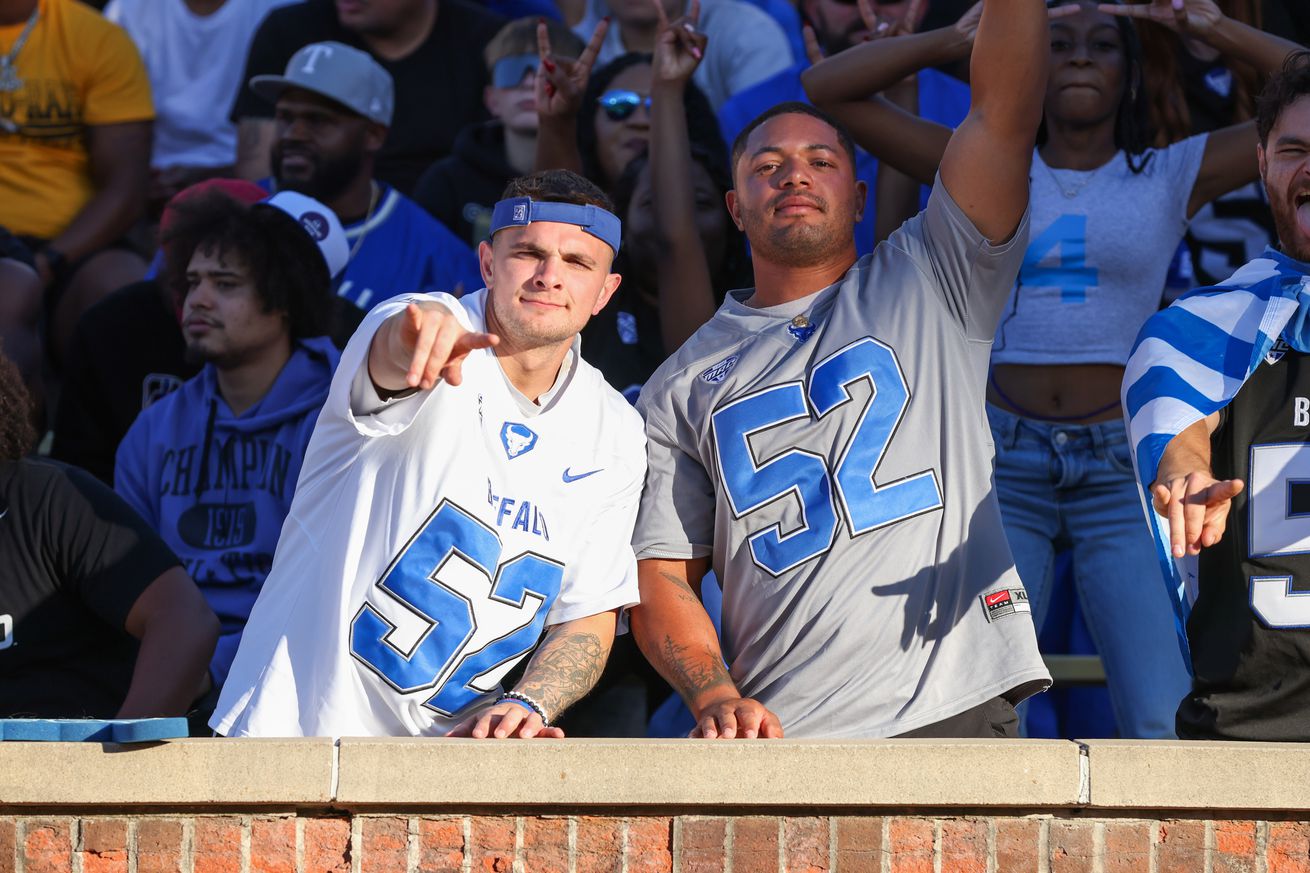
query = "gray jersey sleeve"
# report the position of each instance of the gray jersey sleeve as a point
(676, 517)
(972, 276)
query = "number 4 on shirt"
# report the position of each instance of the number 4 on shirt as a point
(1066, 237)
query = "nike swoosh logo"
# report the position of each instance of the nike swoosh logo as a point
(571, 478)
(6, 512)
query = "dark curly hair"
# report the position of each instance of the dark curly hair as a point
(17, 435)
(284, 263)
(1282, 90)
(702, 123)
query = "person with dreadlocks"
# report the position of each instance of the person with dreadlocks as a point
(1108, 212)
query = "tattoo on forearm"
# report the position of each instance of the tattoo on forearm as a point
(565, 668)
(681, 588)
(693, 674)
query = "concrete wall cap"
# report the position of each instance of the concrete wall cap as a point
(974, 773)
(1156, 774)
(174, 772)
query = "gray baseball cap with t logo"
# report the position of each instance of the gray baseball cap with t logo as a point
(336, 71)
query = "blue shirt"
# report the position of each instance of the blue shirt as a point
(399, 248)
(942, 98)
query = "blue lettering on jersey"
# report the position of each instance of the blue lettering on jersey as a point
(527, 517)
(522, 588)
(804, 475)
(517, 438)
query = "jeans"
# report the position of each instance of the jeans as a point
(1072, 486)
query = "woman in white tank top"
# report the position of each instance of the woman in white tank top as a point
(1107, 214)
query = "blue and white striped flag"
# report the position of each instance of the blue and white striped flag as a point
(1190, 360)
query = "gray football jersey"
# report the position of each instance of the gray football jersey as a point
(832, 454)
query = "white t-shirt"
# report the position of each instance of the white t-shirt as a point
(431, 538)
(195, 65)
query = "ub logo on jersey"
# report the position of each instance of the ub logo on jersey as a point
(517, 438)
(1276, 351)
(716, 374)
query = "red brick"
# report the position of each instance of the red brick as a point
(546, 844)
(755, 845)
(104, 845)
(859, 844)
(806, 844)
(1128, 846)
(1018, 842)
(702, 844)
(650, 845)
(1288, 847)
(910, 842)
(1072, 846)
(273, 845)
(493, 843)
(327, 845)
(440, 845)
(1181, 848)
(384, 844)
(964, 845)
(1234, 847)
(216, 844)
(158, 845)
(47, 846)
(8, 845)
(599, 845)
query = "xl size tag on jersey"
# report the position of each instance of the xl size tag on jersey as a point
(1005, 601)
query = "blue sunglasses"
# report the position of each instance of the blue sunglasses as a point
(509, 72)
(620, 103)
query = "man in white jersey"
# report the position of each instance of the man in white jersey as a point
(470, 481)
(822, 440)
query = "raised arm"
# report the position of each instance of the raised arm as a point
(849, 85)
(560, 85)
(686, 292)
(676, 635)
(1187, 493)
(566, 666)
(1230, 159)
(986, 164)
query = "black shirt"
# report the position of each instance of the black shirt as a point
(73, 560)
(438, 86)
(624, 341)
(1249, 629)
(127, 352)
(461, 189)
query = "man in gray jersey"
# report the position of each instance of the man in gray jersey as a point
(822, 441)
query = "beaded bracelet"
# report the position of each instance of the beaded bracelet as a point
(525, 701)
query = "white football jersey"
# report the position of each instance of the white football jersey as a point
(430, 540)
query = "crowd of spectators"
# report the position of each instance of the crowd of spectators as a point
(200, 200)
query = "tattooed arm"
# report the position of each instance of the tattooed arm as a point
(567, 665)
(677, 637)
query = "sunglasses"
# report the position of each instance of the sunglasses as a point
(509, 72)
(619, 104)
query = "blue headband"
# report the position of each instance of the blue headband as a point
(522, 211)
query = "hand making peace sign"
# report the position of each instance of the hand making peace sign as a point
(560, 81)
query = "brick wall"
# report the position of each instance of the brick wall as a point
(246, 843)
